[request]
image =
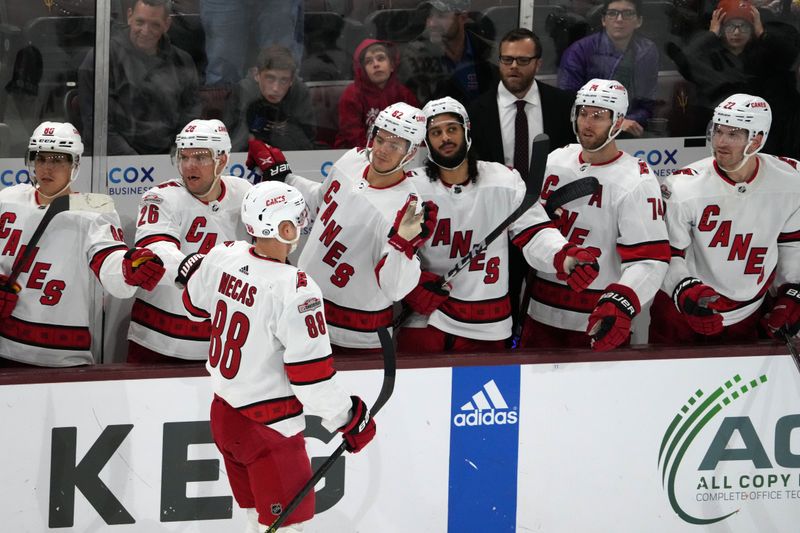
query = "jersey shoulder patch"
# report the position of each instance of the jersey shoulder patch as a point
(309, 305)
(302, 279)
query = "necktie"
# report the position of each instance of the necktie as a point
(521, 160)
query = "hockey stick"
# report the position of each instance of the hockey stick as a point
(92, 202)
(792, 349)
(389, 371)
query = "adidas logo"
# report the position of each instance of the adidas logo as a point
(245, 270)
(487, 408)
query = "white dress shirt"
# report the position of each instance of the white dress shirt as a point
(506, 105)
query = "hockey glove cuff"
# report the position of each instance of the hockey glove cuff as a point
(8, 297)
(785, 313)
(142, 268)
(360, 430)
(428, 295)
(268, 161)
(610, 322)
(697, 302)
(187, 268)
(577, 266)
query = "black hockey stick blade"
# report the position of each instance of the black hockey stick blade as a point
(579, 188)
(389, 371)
(97, 203)
(792, 349)
(540, 149)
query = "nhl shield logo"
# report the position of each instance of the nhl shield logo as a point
(276, 509)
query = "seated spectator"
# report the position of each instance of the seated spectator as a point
(619, 53)
(375, 87)
(448, 59)
(152, 85)
(738, 54)
(275, 107)
(45, 306)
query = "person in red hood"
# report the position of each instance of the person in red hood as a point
(375, 87)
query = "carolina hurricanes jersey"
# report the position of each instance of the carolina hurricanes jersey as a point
(173, 223)
(479, 305)
(50, 323)
(269, 354)
(347, 251)
(623, 222)
(735, 237)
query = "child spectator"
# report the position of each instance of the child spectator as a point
(375, 87)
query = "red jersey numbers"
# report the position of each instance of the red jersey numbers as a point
(148, 215)
(196, 234)
(658, 207)
(315, 324)
(227, 339)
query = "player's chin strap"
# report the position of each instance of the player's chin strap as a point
(72, 176)
(743, 162)
(217, 177)
(610, 138)
(293, 243)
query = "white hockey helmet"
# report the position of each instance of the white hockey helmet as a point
(449, 105)
(269, 203)
(211, 134)
(605, 94)
(743, 111)
(60, 137)
(403, 120)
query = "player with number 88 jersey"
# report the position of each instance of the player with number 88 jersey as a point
(177, 218)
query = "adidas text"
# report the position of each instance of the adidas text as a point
(489, 417)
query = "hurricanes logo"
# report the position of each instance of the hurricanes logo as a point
(692, 417)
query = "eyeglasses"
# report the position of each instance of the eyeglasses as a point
(52, 159)
(743, 27)
(627, 14)
(522, 61)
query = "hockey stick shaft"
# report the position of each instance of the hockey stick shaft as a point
(389, 372)
(792, 349)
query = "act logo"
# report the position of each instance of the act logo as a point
(734, 466)
(487, 408)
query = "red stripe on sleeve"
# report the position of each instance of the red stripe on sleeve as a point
(677, 253)
(792, 236)
(645, 251)
(99, 258)
(193, 309)
(309, 372)
(144, 242)
(525, 236)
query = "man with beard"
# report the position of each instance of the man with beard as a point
(734, 227)
(448, 59)
(473, 312)
(177, 218)
(622, 223)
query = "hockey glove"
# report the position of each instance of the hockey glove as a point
(410, 231)
(268, 161)
(577, 266)
(361, 429)
(142, 268)
(187, 268)
(8, 297)
(428, 295)
(785, 313)
(610, 322)
(697, 301)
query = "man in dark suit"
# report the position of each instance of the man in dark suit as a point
(511, 114)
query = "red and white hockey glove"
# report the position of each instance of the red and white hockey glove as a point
(361, 429)
(187, 268)
(8, 296)
(698, 303)
(428, 295)
(577, 266)
(269, 161)
(142, 268)
(610, 322)
(410, 231)
(785, 313)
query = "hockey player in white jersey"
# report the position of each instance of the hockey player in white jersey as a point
(45, 316)
(623, 222)
(368, 226)
(734, 228)
(474, 197)
(269, 359)
(177, 218)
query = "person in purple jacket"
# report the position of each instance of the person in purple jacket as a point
(618, 53)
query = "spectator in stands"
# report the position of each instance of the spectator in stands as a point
(45, 313)
(375, 87)
(275, 107)
(618, 53)
(231, 26)
(448, 59)
(152, 85)
(739, 54)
